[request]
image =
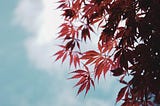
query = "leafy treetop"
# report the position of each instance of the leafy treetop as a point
(128, 45)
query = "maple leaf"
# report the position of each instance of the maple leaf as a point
(117, 72)
(101, 63)
(121, 94)
(68, 31)
(85, 80)
(69, 13)
(64, 53)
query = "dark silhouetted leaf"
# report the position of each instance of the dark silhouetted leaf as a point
(121, 94)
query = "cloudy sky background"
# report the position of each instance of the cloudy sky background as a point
(28, 74)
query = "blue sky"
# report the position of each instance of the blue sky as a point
(28, 75)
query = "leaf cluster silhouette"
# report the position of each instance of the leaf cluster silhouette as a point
(128, 45)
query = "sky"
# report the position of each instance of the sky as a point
(28, 74)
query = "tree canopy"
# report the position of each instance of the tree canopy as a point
(128, 45)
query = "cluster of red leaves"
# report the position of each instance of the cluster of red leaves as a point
(73, 55)
(85, 80)
(131, 49)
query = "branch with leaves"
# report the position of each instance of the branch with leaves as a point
(131, 49)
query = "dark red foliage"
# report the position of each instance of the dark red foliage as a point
(128, 49)
(69, 13)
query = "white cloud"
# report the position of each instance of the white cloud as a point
(27, 14)
(97, 102)
(40, 18)
(67, 98)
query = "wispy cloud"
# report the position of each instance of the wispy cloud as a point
(40, 18)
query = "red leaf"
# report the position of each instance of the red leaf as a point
(76, 76)
(76, 60)
(81, 81)
(88, 87)
(69, 45)
(92, 82)
(121, 32)
(77, 4)
(59, 56)
(89, 54)
(99, 70)
(98, 60)
(78, 45)
(84, 81)
(123, 81)
(85, 34)
(121, 94)
(105, 69)
(59, 52)
(69, 13)
(117, 72)
(92, 53)
(117, 54)
(78, 71)
(89, 61)
(99, 47)
(71, 58)
(111, 44)
(64, 57)
(81, 88)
